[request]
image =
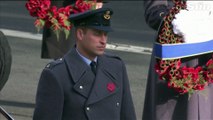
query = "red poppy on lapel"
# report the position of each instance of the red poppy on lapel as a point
(111, 87)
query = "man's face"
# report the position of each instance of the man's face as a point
(92, 42)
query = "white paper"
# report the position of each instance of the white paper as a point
(196, 23)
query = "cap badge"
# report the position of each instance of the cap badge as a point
(107, 15)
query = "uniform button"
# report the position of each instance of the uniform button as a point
(161, 14)
(87, 108)
(60, 59)
(48, 65)
(117, 104)
(81, 87)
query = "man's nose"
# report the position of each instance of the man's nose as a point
(104, 38)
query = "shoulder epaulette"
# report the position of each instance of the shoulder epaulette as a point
(54, 63)
(112, 56)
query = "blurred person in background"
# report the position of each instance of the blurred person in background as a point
(5, 67)
(53, 48)
(161, 102)
(5, 60)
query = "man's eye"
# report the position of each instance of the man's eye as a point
(97, 33)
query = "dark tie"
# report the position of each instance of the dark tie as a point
(93, 67)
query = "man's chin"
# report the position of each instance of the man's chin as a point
(99, 53)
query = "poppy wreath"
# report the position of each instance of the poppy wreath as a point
(181, 78)
(57, 19)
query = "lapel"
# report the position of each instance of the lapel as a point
(80, 72)
(103, 81)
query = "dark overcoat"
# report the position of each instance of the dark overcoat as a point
(162, 103)
(53, 48)
(5, 60)
(68, 90)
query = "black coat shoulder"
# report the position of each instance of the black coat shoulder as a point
(155, 10)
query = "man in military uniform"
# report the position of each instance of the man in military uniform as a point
(86, 84)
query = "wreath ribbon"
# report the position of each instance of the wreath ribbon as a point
(182, 50)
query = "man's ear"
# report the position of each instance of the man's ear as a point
(80, 34)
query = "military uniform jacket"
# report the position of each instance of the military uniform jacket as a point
(162, 103)
(68, 90)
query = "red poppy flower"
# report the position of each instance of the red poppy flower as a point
(110, 87)
(54, 18)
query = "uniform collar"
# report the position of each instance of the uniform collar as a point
(86, 60)
(81, 72)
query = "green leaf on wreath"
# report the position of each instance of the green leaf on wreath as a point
(57, 32)
(67, 23)
(67, 32)
(39, 23)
